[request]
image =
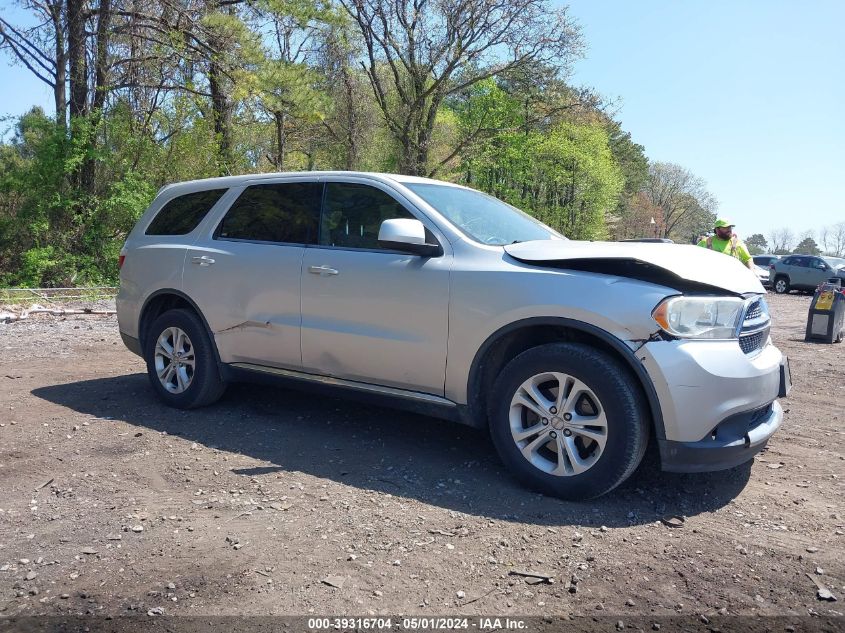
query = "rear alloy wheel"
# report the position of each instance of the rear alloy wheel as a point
(781, 285)
(181, 363)
(568, 420)
(174, 360)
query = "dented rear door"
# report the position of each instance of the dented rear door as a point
(244, 274)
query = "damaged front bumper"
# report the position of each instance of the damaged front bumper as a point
(718, 403)
(733, 442)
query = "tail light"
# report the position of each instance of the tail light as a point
(120, 261)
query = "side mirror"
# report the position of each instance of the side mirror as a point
(407, 235)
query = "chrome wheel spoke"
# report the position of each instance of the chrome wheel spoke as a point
(529, 449)
(177, 341)
(525, 400)
(531, 431)
(180, 379)
(574, 390)
(568, 453)
(168, 375)
(597, 436)
(164, 370)
(591, 427)
(531, 389)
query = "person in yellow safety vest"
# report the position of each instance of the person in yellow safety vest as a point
(727, 242)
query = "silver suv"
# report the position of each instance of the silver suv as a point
(804, 272)
(438, 298)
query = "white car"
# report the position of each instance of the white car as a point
(762, 275)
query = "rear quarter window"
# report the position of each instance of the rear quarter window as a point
(182, 214)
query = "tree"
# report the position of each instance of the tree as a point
(640, 218)
(833, 239)
(756, 244)
(351, 118)
(417, 53)
(633, 163)
(782, 240)
(686, 204)
(565, 177)
(808, 246)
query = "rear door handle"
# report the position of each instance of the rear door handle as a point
(322, 270)
(203, 260)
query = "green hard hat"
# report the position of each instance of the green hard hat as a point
(722, 222)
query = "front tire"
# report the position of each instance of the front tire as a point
(781, 285)
(181, 364)
(568, 420)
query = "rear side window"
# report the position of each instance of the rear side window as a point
(183, 214)
(283, 212)
(353, 213)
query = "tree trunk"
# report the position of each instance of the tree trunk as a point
(88, 174)
(60, 87)
(101, 61)
(77, 58)
(222, 113)
(351, 121)
(281, 140)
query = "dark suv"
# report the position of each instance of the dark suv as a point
(765, 261)
(804, 272)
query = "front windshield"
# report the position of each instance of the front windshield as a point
(834, 262)
(483, 218)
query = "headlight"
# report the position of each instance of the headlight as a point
(700, 317)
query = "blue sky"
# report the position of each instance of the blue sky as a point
(747, 95)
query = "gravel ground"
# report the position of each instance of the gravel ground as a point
(279, 502)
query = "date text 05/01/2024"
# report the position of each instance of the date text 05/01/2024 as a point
(418, 623)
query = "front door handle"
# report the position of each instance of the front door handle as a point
(204, 260)
(322, 270)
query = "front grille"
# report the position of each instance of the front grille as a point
(753, 342)
(755, 327)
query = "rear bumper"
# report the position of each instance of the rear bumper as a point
(132, 344)
(734, 441)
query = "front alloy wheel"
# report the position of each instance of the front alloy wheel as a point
(558, 424)
(568, 419)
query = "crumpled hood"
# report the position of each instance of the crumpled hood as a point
(692, 263)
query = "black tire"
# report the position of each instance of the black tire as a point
(781, 285)
(620, 397)
(206, 385)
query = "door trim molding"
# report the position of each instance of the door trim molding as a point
(348, 384)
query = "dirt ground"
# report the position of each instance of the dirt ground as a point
(111, 503)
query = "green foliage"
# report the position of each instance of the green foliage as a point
(566, 176)
(51, 233)
(280, 85)
(808, 246)
(757, 244)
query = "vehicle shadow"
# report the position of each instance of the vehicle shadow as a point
(373, 448)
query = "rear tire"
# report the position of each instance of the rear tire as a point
(781, 285)
(181, 363)
(588, 440)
